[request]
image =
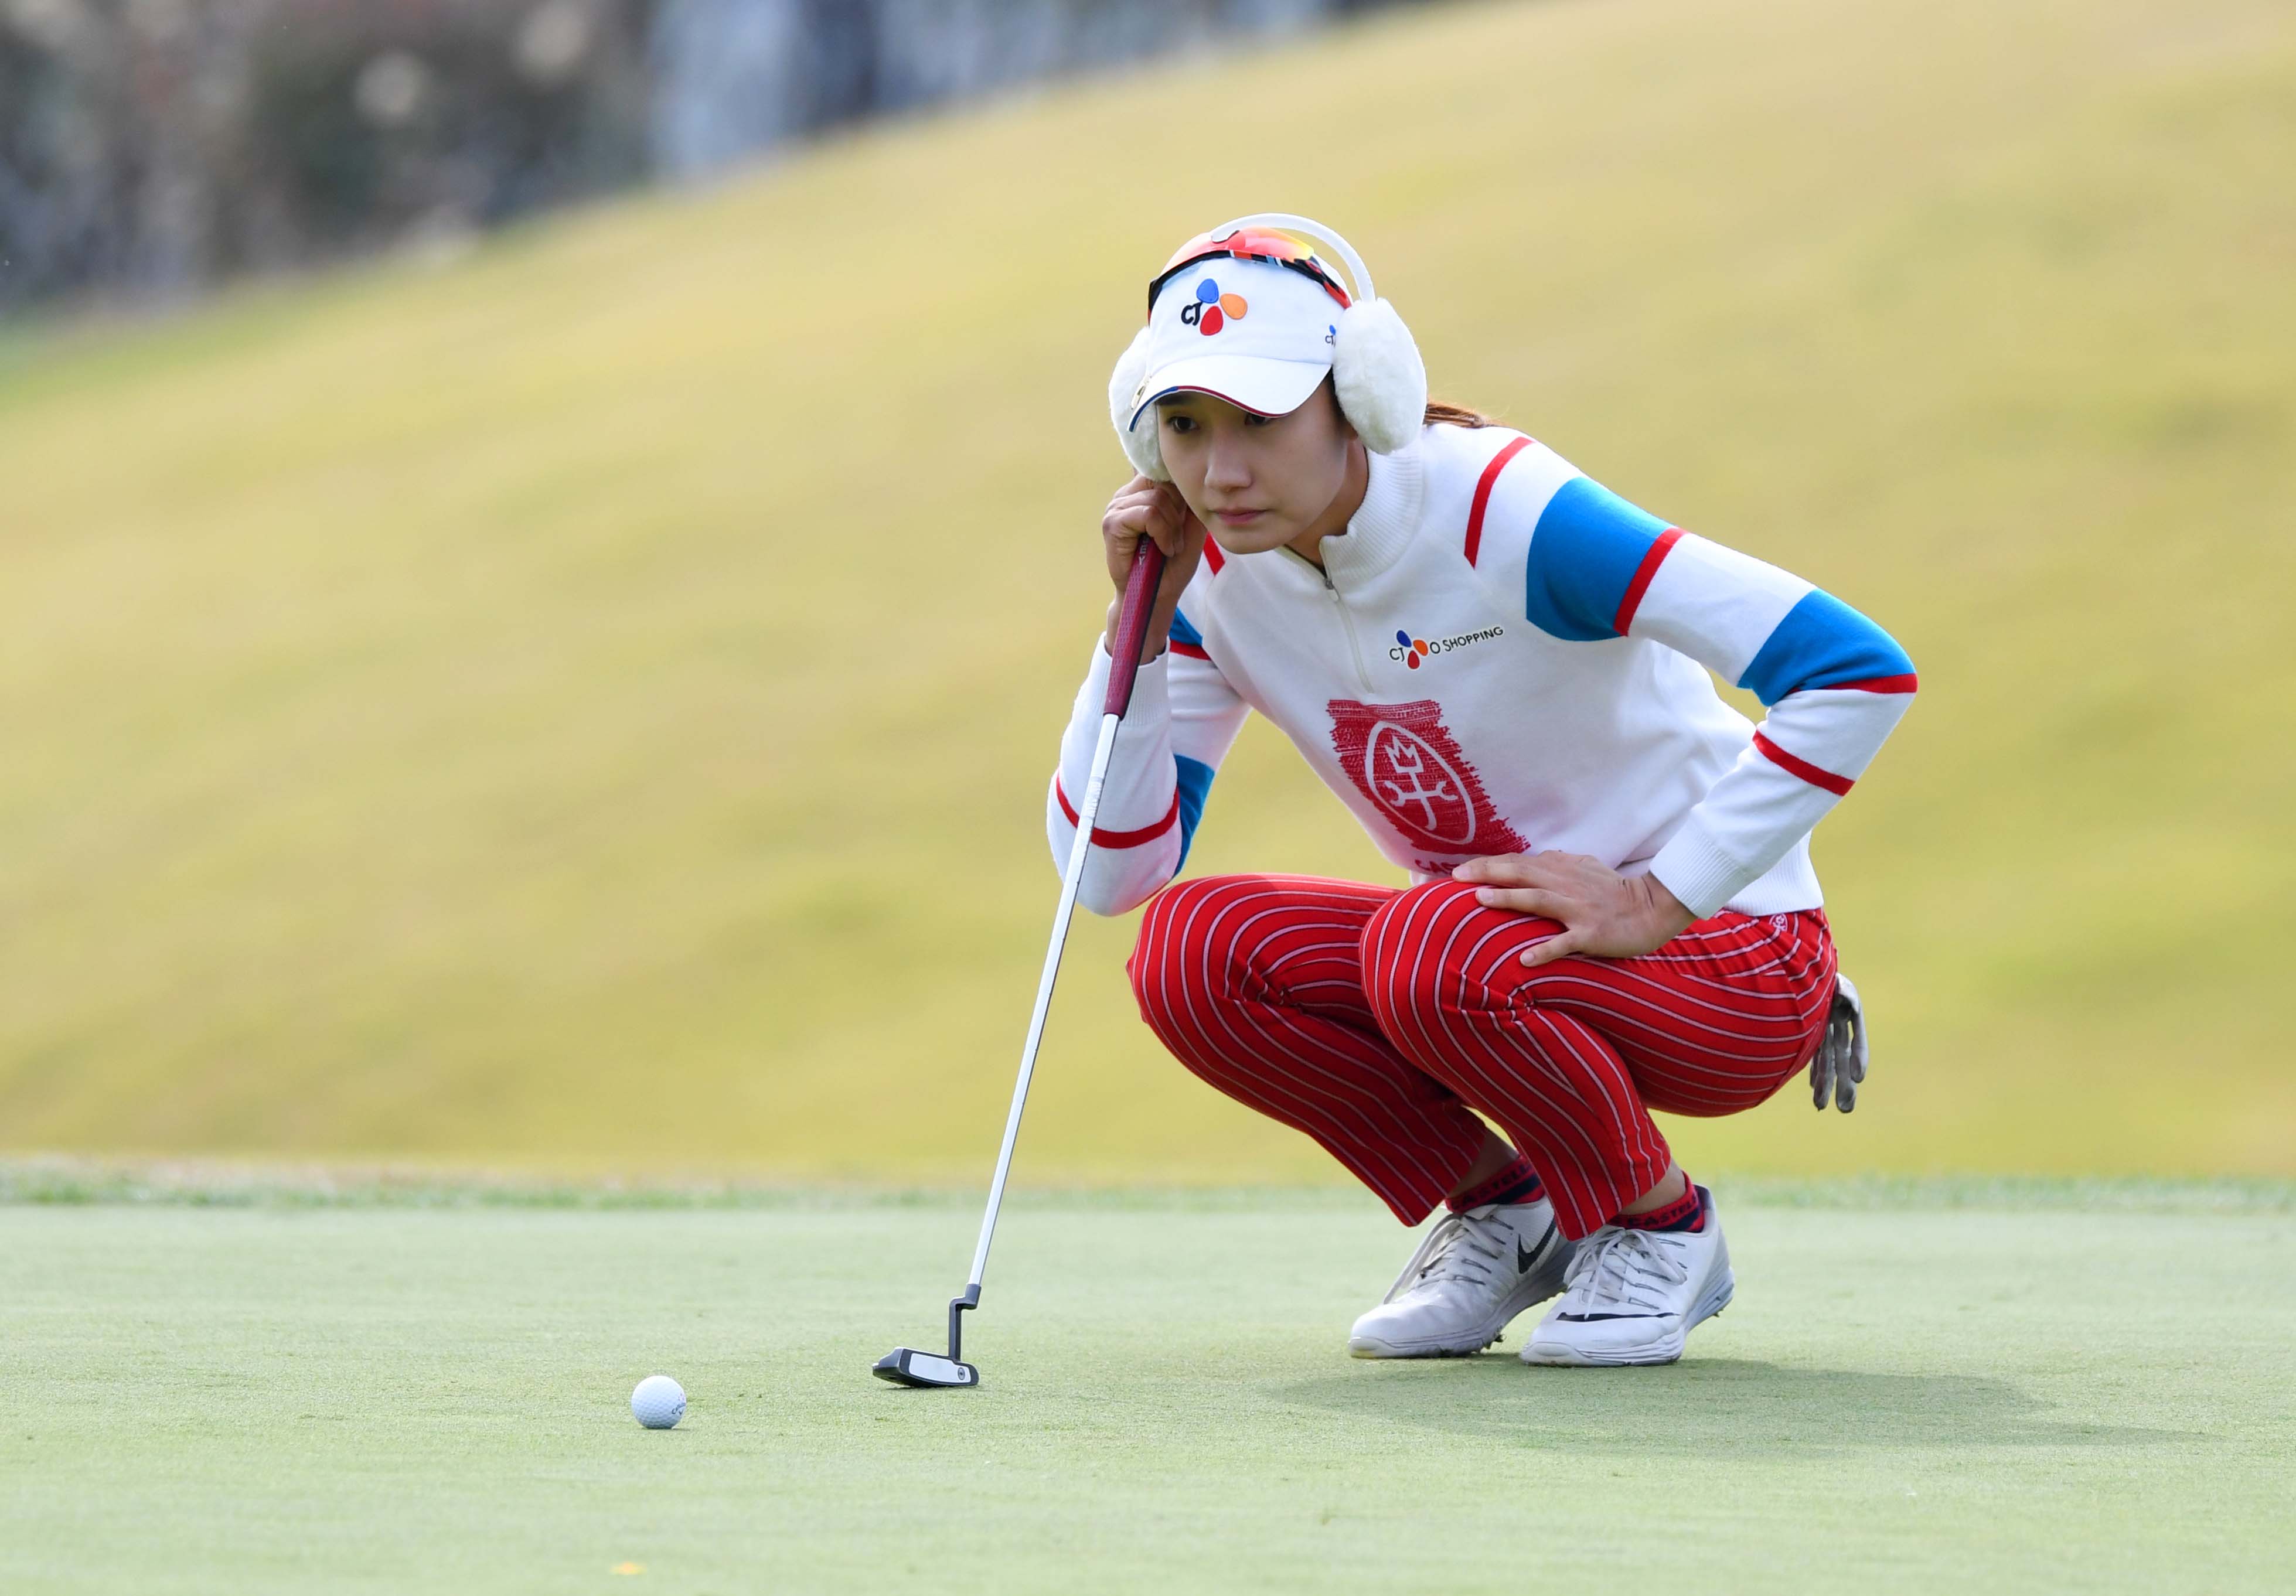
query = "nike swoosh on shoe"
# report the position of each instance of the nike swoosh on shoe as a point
(1524, 1260)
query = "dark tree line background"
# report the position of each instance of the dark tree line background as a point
(149, 148)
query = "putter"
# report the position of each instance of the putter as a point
(907, 1366)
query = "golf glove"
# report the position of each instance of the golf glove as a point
(1839, 1063)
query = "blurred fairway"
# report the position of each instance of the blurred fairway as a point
(589, 702)
(1916, 1397)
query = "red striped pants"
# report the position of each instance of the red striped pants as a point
(1378, 1021)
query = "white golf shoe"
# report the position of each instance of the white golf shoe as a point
(1474, 1272)
(1633, 1296)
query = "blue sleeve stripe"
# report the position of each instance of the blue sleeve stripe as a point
(1584, 553)
(1822, 642)
(1183, 630)
(1195, 786)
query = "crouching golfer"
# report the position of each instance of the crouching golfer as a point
(1500, 667)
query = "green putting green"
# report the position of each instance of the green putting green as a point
(1920, 1387)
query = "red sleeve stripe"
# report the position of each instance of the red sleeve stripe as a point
(1652, 560)
(1827, 779)
(1483, 495)
(1212, 555)
(1906, 683)
(1191, 650)
(1106, 838)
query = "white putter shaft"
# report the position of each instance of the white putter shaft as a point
(905, 1365)
(1086, 812)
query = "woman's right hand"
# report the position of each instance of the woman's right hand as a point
(1145, 507)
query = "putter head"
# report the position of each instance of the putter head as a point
(905, 1367)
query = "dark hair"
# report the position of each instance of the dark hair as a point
(1456, 415)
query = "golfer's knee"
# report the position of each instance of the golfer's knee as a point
(1402, 952)
(1434, 951)
(1167, 960)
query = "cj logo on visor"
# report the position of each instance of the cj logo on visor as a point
(1211, 309)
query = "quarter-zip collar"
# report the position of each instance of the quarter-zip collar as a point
(1382, 529)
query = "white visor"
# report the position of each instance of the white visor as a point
(1256, 334)
(1265, 387)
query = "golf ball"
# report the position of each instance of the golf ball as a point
(658, 1401)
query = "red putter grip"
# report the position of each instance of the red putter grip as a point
(1132, 623)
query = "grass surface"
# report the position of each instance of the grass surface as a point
(1908, 1397)
(591, 703)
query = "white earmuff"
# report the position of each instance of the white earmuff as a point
(1377, 374)
(1376, 371)
(1139, 439)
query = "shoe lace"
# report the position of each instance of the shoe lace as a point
(1462, 1246)
(1617, 1269)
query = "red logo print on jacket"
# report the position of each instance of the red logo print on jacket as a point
(1402, 758)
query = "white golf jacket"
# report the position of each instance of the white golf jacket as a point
(1501, 656)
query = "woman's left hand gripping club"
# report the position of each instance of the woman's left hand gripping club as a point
(1601, 912)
